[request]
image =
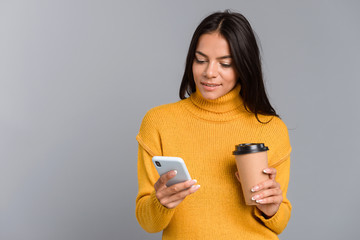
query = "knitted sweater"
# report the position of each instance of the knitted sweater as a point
(204, 134)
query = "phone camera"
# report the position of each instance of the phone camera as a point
(158, 163)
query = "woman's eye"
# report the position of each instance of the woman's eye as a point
(227, 65)
(199, 61)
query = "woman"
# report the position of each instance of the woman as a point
(227, 105)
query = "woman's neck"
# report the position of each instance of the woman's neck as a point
(224, 108)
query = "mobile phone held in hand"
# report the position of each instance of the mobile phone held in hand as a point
(164, 164)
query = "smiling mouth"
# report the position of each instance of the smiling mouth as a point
(210, 85)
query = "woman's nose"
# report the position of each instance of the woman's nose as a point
(211, 71)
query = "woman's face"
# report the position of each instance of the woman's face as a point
(213, 69)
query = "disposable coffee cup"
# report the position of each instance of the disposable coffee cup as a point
(251, 160)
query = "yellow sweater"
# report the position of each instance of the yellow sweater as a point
(204, 133)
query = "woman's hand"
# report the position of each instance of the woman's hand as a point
(172, 196)
(267, 194)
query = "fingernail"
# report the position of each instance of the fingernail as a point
(195, 186)
(255, 197)
(171, 173)
(254, 188)
(266, 170)
(193, 181)
(259, 201)
(175, 172)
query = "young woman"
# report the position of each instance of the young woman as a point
(227, 105)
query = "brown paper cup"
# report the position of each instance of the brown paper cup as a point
(251, 160)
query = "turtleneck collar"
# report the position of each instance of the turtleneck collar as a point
(224, 108)
(226, 103)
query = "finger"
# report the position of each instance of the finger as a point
(179, 197)
(173, 204)
(173, 200)
(164, 193)
(161, 182)
(267, 193)
(179, 187)
(271, 183)
(271, 172)
(270, 200)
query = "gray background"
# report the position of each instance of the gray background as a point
(76, 78)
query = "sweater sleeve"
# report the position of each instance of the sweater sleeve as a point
(278, 222)
(150, 213)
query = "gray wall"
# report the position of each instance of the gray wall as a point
(76, 78)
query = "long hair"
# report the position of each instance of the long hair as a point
(246, 58)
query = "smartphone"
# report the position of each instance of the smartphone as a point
(165, 164)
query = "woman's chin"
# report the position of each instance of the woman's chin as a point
(210, 95)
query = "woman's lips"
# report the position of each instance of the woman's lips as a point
(210, 86)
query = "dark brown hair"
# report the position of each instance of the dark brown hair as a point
(246, 58)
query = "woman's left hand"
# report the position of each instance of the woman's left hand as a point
(267, 194)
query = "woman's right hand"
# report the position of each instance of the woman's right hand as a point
(172, 196)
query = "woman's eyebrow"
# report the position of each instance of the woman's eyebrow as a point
(222, 57)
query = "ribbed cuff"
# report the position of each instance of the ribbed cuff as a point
(162, 209)
(276, 222)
